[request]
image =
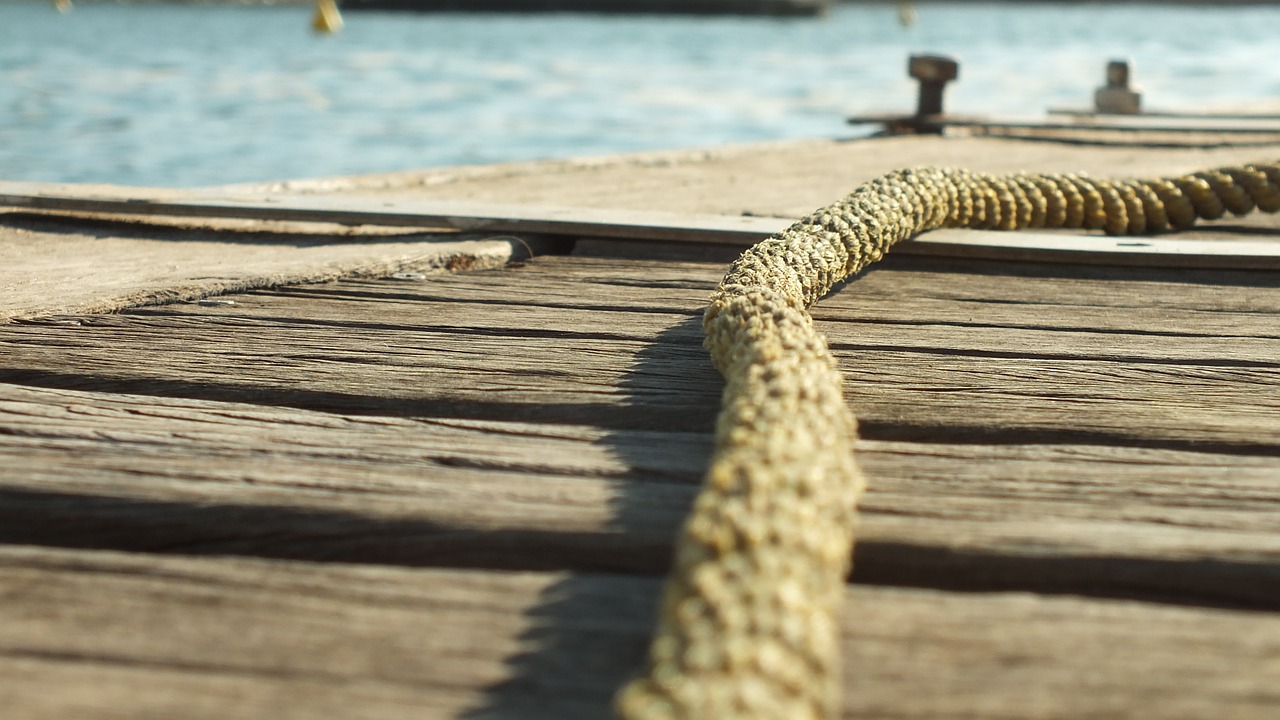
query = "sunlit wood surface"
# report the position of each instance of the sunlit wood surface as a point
(452, 492)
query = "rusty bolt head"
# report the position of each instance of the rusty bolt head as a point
(933, 68)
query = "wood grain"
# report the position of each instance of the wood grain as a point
(556, 416)
(200, 477)
(111, 635)
(345, 500)
(783, 179)
(66, 264)
(597, 357)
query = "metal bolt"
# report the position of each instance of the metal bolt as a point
(933, 72)
(1118, 74)
(1116, 97)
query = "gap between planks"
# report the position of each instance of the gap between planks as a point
(196, 477)
(930, 355)
(382, 348)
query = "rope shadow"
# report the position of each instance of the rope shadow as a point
(589, 633)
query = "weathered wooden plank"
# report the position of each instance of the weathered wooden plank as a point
(106, 635)
(648, 225)
(903, 289)
(575, 342)
(198, 477)
(883, 321)
(137, 636)
(72, 265)
(785, 179)
(638, 283)
(160, 475)
(411, 212)
(940, 381)
(900, 392)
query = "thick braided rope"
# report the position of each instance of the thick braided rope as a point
(748, 625)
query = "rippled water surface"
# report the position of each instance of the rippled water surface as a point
(206, 94)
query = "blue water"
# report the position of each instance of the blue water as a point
(188, 95)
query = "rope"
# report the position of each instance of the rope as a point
(748, 624)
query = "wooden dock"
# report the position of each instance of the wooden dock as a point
(287, 468)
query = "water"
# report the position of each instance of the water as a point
(186, 95)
